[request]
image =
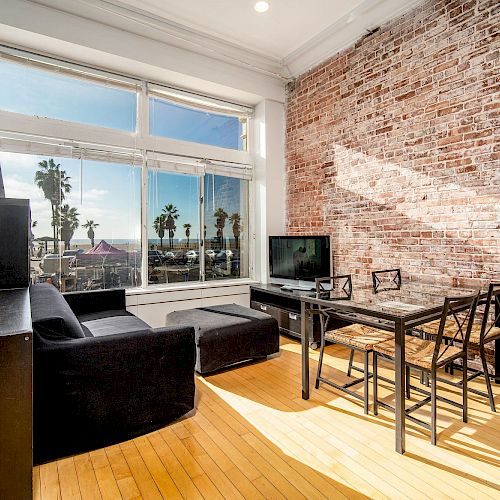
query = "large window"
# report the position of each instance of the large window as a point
(33, 91)
(226, 226)
(181, 116)
(121, 202)
(173, 227)
(86, 231)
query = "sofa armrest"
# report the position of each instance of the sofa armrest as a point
(96, 300)
(93, 392)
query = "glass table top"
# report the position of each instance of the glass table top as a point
(409, 298)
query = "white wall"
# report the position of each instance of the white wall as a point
(269, 185)
(153, 306)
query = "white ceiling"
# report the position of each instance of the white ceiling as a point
(287, 40)
(286, 26)
(223, 38)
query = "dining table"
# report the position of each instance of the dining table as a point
(398, 309)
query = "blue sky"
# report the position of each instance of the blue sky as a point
(180, 190)
(107, 193)
(32, 91)
(42, 93)
(178, 122)
(110, 193)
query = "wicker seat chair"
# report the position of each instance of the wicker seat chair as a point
(431, 355)
(356, 337)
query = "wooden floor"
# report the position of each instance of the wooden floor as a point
(253, 436)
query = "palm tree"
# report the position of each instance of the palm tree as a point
(172, 215)
(67, 219)
(159, 227)
(220, 216)
(235, 220)
(90, 225)
(54, 183)
(187, 227)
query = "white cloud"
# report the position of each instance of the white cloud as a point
(94, 194)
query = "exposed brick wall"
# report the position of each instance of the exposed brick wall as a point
(393, 147)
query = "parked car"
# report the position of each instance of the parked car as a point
(155, 258)
(210, 254)
(192, 256)
(167, 256)
(223, 255)
(179, 258)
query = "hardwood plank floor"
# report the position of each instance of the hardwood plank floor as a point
(253, 436)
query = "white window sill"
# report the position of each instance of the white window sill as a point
(174, 287)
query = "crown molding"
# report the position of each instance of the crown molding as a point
(345, 32)
(367, 15)
(119, 15)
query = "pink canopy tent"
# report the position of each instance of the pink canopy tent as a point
(102, 254)
(104, 248)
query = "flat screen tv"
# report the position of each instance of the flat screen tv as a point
(298, 260)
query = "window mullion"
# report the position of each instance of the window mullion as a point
(202, 227)
(144, 224)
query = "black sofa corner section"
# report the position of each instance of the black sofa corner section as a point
(105, 378)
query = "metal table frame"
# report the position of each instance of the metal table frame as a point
(385, 321)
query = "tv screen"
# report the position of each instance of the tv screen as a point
(299, 257)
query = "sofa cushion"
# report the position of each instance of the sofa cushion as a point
(111, 323)
(51, 314)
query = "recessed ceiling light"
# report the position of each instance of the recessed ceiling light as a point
(261, 7)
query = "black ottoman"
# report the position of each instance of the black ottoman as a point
(228, 334)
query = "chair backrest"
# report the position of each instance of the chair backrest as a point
(490, 325)
(386, 279)
(462, 311)
(338, 287)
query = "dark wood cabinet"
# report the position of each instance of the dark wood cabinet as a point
(15, 231)
(16, 411)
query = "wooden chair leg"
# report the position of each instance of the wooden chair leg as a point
(375, 383)
(433, 407)
(367, 402)
(321, 351)
(487, 379)
(351, 360)
(464, 389)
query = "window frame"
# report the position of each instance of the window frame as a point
(21, 133)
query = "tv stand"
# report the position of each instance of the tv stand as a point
(284, 305)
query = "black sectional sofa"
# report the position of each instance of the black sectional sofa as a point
(101, 375)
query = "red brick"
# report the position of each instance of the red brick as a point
(393, 147)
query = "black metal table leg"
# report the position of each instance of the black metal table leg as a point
(304, 337)
(399, 330)
(497, 344)
(497, 361)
